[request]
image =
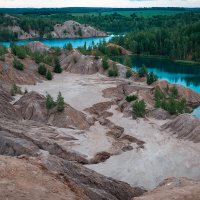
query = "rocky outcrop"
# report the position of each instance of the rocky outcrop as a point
(6, 109)
(174, 188)
(69, 29)
(184, 126)
(26, 179)
(32, 106)
(99, 108)
(23, 35)
(122, 50)
(12, 145)
(77, 63)
(72, 29)
(69, 118)
(49, 177)
(5, 96)
(158, 114)
(38, 47)
(94, 185)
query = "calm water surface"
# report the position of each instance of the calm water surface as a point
(61, 42)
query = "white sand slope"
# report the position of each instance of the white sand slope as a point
(163, 156)
(80, 91)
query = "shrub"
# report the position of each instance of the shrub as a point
(113, 51)
(37, 56)
(57, 66)
(128, 73)
(173, 92)
(110, 73)
(139, 108)
(19, 51)
(182, 106)
(49, 75)
(60, 102)
(151, 78)
(68, 47)
(159, 96)
(128, 62)
(96, 55)
(14, 90)
(105, 63)
(42, 70)
(18, 65)
(131, 98)
(114, 71)
(142, 72)
(170, 106)
(2, 50)
(57, 51)
(170, 103)
(50, 102)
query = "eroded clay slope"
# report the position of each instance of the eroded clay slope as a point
(184, 126)
(174, 189)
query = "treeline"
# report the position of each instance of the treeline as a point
(86, 10)
(115, 22)
(179, 41)
(175, 36)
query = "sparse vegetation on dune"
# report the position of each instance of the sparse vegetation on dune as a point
(139, 108)
(18, 65)
(170, 101)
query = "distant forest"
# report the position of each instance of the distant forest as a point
(88, 10)
(172, 32)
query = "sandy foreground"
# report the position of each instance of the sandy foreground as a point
(163, 155)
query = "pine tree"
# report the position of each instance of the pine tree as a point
(143, 71)
(139, 108)
(128, 62)
(69, 47)
(128, 73)
(105, 63)
(42, 70)
(60, 102)
(49, 102)
(49, 75)
(151, 78)
(57, 67)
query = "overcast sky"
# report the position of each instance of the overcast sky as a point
(98, 3)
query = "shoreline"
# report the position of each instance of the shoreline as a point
(43, 38)
(184, 62)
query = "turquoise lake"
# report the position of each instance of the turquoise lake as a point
(61, 42)
(183, 74)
